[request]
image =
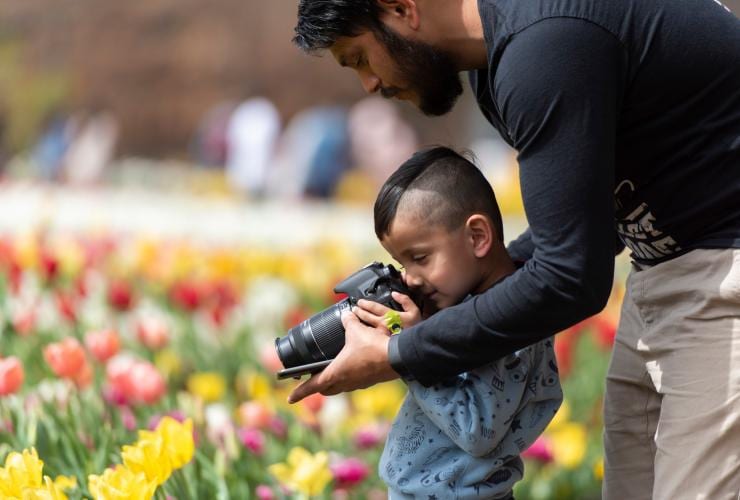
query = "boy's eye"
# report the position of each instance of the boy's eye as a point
(419, 258)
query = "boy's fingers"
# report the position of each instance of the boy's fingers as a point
(365, 316)
(404, 300)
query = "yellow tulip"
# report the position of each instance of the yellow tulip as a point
(50, 491)
(568, 444)
(599, 469)
(209, 386)
(382, 400)
(561, 417)
(22, 470)
(305, 473)
(121, 484)
(178, 440)
(148, 456)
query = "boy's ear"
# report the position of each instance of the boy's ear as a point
(481, 234)
(398, 12)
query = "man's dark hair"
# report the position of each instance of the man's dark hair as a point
(321, 22)
(458, 187)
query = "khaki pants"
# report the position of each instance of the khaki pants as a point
(672, 404)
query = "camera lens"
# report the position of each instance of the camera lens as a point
(318, 338)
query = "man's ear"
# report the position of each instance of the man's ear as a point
(396, 12)
(480, 234)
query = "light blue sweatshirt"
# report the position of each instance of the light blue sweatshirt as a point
(462, 438)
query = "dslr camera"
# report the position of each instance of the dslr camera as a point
(310, 346)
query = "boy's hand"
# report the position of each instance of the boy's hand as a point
(374, 314)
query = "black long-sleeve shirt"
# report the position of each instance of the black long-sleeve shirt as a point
(626, 118)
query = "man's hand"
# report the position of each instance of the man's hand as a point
(362, 362)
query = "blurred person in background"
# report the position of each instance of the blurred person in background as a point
(91, 148)
(251, 137)
(626, 119)
(57, 132)
(381, 140)
(313, 154)
(210, 144)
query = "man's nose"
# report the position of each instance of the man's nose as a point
(370, 82)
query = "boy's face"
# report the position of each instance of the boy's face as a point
(437, 262)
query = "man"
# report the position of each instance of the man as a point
(626, 116)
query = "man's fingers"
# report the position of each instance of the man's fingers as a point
(367, 317)
(348, 318)
(373, 307)
(311, 386)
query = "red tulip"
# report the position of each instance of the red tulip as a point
(186, 295)
(120, 295)
(252, 439)
(11, 375)
(67, 306)
(103, 344)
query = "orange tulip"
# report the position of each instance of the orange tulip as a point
(103, 344)
(11, 375)
(66, 358)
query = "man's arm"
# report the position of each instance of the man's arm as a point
(521, 249)
(558, 86)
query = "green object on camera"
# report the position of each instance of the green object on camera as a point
(393, 321)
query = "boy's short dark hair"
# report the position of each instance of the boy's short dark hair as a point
(321, 22)
(454, 179)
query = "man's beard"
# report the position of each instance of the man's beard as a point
(431, 73)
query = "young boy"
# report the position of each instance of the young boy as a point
(437, 216)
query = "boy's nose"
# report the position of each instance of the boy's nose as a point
(411, 280)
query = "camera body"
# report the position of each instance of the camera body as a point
(311, 345)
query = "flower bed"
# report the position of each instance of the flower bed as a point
(131, 368)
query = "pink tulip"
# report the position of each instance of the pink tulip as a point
(264, 492)
(66, 358)
(252, 439)
(24, 321)
(103, 344)
(254, 414)
(11, 375)
(133, 381)
(152, 332)
(540, 450)
(368, 437)
(145, 383)
(349, 472)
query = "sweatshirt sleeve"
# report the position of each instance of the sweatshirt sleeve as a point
(468, 409)
(558, 88)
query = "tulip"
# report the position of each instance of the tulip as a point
(303, 472)
(145, 384)
(11, 375)
(66, 358)
(254, 414)
(24, 321)
(120, 296)
(209, 386)
(349, 472)
(539, 451)
(186, 295)
(152, 332)
(264, 492)
(103, 344)
(252, 439)
(121, 483)
(67, 306)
